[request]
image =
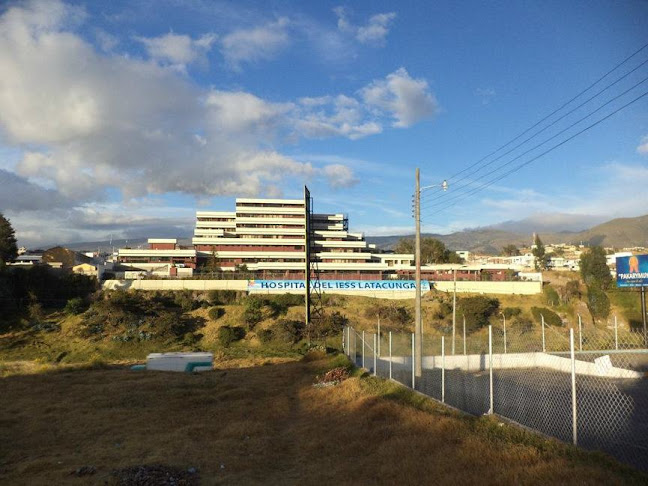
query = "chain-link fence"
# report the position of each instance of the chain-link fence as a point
(586, 386)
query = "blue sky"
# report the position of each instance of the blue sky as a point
(122, 118)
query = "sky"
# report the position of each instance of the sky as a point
(121, 119)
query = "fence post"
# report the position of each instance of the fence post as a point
(413, 358)
(344, 345)
(580, 333)
(490, 366)
(464, 332)
(573, 389)
(442, 369)
(379, 336)
(390, 355)
(616, 333)
(544, 349)
(363, 350)
(375, 354)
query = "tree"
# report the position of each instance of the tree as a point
(539, 254)
(8, 247)
(432, 251)
(594, 269)
(510, 250)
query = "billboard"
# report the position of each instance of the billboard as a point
(632, 271)
(370, 285)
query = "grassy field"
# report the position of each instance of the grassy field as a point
(262, 422)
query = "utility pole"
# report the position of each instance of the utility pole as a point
(454, 311)
(418, 325)
(307, 262)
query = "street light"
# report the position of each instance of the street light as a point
(504, 317)
(418, 326)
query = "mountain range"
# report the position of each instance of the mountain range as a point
(618, 233)
(554, 228)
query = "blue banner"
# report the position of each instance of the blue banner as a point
(632, 271)
(372, 285)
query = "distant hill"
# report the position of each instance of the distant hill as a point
(621, 232)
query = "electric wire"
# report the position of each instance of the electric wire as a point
(466, 177)
(452, 177)
(431, 203)
(520, 166)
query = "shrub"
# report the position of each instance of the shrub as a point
(185, 300)
(331, 324)
(572, 290)
(550, 295)
(229, 334)
(598, 302)
(289, 331)
(393, 314)
(477, 311)
(75, 306)
(216, 313)
(510, 312)
(550, 317)
(265, 335)
(523, 324)
(222, 297)
(252, 313)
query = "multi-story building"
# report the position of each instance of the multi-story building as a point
(269, 238)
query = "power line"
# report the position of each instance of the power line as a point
(515, 169)
(437, 196)
(552, 113)
(431, 204)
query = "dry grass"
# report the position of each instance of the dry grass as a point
(266, 425)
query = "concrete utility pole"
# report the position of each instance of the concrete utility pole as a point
(454, 310)
(418, 327)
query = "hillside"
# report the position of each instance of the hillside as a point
(621, 232)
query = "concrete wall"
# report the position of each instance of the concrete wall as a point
(479, 287)
(176, 284)
(479, 362)
(526, 288)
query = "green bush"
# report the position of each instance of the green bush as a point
(331, 324)
(550, 295)
(229, 334)
(185, 300)
(223, 297)
(477, 311)
(289, 331)
(390, 313)
(265, 335)
(75, 306)
(523, 324)
(550, 317)
(253, 311)
(510, 312)
(598, 303)
(216, 313)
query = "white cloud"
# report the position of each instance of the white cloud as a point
(179, 50)
(241, 111)
(407, 99)
(643, 146)
(339, 176)
(89, 123)
(255, 44)
(374, 32)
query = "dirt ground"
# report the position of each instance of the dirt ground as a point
(264, 425)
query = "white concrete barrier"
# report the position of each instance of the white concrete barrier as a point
(479, 287)
(479, 362)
